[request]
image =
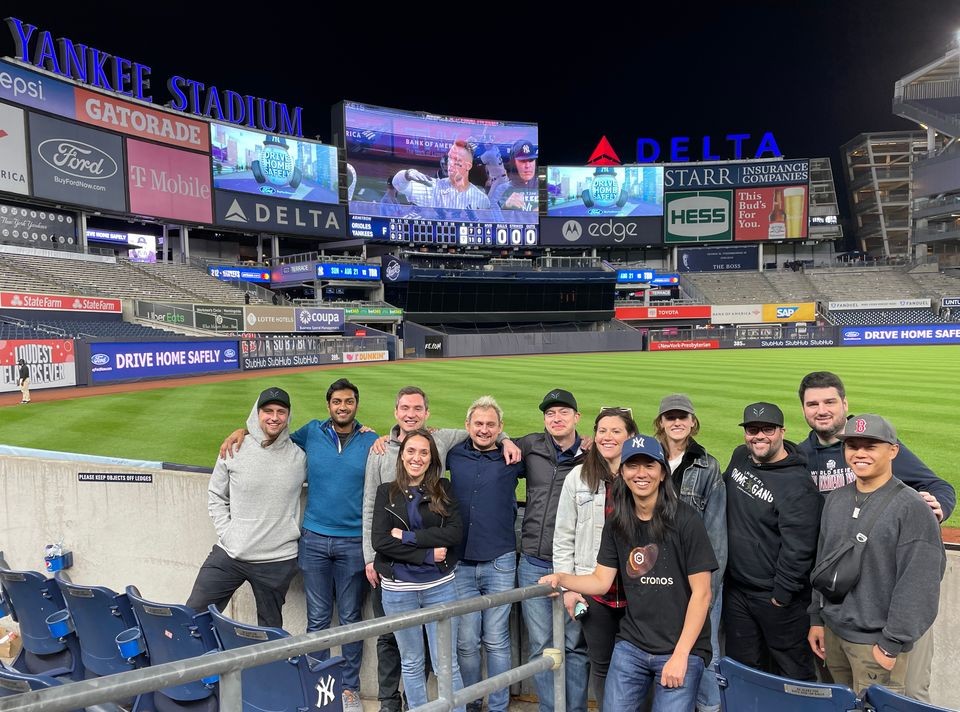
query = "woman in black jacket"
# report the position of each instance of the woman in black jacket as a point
(416, 526)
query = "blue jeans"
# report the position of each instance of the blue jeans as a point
(333, 566)
(708, 695)
(633, 671)
(410, 640)
(538, 618)
(478, 579)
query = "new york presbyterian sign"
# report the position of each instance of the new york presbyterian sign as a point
(113, 73)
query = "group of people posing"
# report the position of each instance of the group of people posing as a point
(657, 552)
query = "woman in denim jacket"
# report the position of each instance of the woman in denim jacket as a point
(584, 505)
(697, 480)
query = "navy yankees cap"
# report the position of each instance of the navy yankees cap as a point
(523, 150)
(644, 445)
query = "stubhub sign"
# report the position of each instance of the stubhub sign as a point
(920, 334)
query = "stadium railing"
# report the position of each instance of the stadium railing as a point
(229, 664)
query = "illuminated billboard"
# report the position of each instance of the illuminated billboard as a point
(247, 161)
(424, 178)
(604, 191)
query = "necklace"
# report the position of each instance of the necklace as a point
(859, 503)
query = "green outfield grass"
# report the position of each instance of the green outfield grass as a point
(915, 387)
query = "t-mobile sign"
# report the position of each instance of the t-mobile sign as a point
(168, 183)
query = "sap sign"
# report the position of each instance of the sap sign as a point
(786, 312)
(921, 334)
(134, 361)
(700, 216)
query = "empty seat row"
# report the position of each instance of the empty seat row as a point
(71, 632)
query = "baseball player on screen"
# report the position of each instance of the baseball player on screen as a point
(454, 191)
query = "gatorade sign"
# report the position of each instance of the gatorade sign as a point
(698, 216)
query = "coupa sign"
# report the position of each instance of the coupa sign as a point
(698, 216)
(327, 320)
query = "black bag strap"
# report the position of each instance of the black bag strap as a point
(874, 514)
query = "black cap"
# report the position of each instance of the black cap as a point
(762, 413)
(273, 395)
(558, 396)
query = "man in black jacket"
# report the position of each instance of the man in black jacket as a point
(773, 519)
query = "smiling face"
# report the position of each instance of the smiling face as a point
(483, 427)
(459, 163)
(273, 419)
(610, 434)
(560, 421)
(416, 458)
(411, 412)
(871, 460)
(343, 407)
(642, 475)
(764, 441)
(677, 425)
(825, 412)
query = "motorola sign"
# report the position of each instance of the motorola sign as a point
(261, 213)
(610, 232)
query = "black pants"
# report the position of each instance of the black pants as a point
(766, 637)
(221, 576)
(388, 662)
(600, 628)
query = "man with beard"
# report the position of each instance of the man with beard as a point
(824, 401)
(773, 518)
(454, 191)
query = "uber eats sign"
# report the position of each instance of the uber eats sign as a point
(698, 216)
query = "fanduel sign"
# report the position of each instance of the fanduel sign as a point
(113, 73)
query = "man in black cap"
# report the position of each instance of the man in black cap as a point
(520, 192)
(253, 500)
(773, 516)
(24, 381)
(547, 458)
(867, 634)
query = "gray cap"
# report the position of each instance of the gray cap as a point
(869, 426)
(676, 401)
(762, 412)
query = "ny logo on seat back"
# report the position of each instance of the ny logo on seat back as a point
(325, 693)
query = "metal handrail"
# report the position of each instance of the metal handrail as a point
(229, 663)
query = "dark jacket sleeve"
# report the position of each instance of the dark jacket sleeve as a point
(911, 470)
(383, 523)
(799, 522)
(450, 533)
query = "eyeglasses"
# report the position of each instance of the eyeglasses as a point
(756, 429)
(617, 409)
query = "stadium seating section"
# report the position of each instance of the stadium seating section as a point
(879, 317)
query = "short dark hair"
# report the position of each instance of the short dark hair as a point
(412, 391)
(342, 384)
(821, 379)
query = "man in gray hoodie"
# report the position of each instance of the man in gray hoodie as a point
(250, 499)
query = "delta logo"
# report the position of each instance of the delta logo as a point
(786, 312)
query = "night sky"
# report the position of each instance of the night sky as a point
(814, 73)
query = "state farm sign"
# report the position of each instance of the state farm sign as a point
(59, 302)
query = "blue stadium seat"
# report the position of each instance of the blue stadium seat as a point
(292, 684)
(32, 597)
(174, 632)
(881, 699)
(743, 689)
(99, 616)
(14, 682)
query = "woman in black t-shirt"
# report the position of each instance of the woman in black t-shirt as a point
(661, 550)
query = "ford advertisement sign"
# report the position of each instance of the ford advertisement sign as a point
(322, 320)
(133, 361)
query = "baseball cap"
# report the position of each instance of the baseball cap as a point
(762, 413)
(558, 396)
(869, 426)
(644, 445)
(676, 401)
(273, 395)
(523, 150)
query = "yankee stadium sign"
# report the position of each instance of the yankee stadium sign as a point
(102, 70)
